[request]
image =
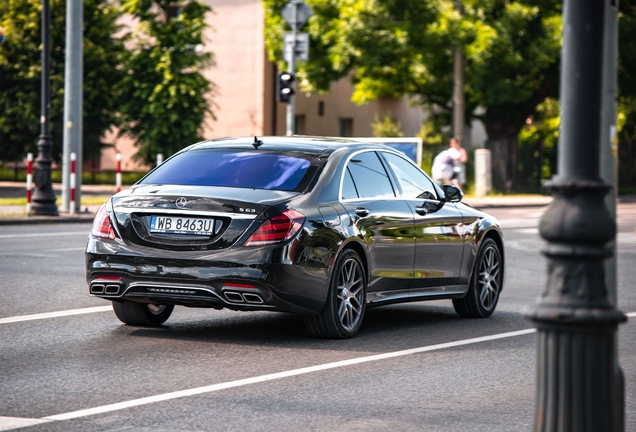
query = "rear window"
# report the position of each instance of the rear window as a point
(240, 169)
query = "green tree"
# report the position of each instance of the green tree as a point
(386, 127)
(538, 146)
(20, 68)
(627, 95)
(163, 94)
(103, 51)
(391, 48)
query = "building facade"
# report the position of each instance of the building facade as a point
(245, 101)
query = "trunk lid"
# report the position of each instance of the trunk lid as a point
(190, 217)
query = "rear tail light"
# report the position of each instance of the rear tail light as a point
(101, 224)
(277, 229)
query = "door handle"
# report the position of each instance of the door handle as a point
(362, 212)
(420, 210)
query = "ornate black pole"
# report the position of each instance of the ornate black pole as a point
(579, 382)
(43, 196)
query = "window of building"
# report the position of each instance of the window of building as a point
(299, 125)
(345, 127)
(173, 11)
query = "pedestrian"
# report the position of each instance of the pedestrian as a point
(460, 157)
(443, 169)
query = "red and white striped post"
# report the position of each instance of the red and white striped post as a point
(29, 182)
(118, 176)
(72, 183)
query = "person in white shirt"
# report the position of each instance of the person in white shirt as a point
(457, 152)
(443, 169)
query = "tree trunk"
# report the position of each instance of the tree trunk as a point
(502, 143)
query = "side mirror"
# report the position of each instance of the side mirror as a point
(453, 193)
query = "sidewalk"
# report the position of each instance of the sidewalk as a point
(16, 214)
(508, 201)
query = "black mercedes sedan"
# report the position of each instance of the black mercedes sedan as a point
(320, 227)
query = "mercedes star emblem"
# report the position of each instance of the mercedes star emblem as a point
(181, 202)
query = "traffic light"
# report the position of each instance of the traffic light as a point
(285, 87)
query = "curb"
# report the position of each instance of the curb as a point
(35, 220)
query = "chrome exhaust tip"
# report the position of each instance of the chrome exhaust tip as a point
(253, 298)
(234, 297)
(97, 289)
(112, 289)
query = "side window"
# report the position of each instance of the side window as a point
(369, 176)
(348, 188)
(414, 183)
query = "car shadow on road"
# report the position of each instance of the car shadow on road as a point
(384, 329)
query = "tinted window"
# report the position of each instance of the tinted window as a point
(348, 188)
(369, 176)
(413, 182)
(248, 169)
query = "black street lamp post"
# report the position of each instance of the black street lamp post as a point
(579, 382)
(43, 196)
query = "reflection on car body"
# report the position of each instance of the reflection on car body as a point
(319, 227)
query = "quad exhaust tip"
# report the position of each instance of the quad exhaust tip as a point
(105, 289)
(236, 297)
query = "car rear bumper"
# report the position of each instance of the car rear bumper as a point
(262, 279)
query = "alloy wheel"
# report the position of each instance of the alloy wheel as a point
(350, 294)
(489, 278)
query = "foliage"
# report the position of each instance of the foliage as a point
(103, 51)
(538, 146)
(20, 68)
(627, 95)
(387, 127)
(163, 91)
(394, 48)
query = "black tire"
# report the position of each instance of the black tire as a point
(140, 314)
(485, 283)
(342, 315)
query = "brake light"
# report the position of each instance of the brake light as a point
(277, 229)
(107, 278)
(101, 224)
(237, 285)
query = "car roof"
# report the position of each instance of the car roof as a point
(308, 144)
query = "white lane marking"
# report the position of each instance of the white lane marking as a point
(626, 237)
(274, 376)
(8, 423)
(55, 314)
(526, 230)
(55, 234)
(75, 249)
(519, 223)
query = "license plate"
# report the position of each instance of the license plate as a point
(181, 225)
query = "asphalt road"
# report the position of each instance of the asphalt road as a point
(412, 367)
